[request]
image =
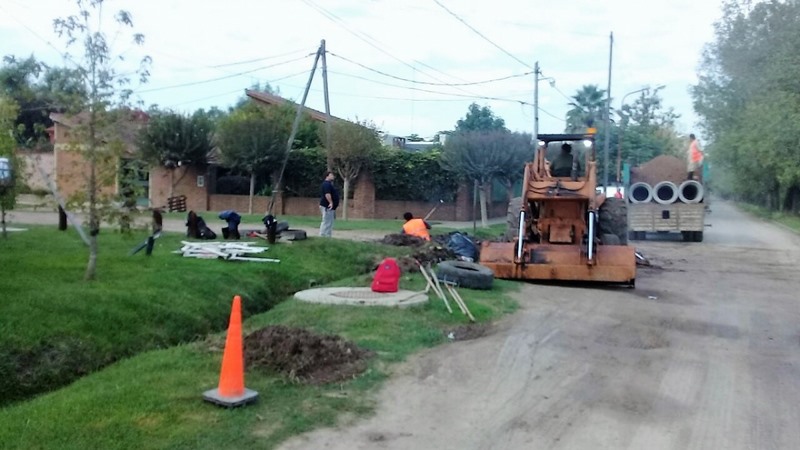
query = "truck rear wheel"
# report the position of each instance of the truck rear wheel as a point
(613, 219)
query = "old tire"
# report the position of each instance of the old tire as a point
(512, 218)
(465, 274)
(293, 235)
(613, 219)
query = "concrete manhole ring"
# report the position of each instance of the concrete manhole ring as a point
(362, 296)
(358, 294)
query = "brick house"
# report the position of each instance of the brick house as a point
(71, 170)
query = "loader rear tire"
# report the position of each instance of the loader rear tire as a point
(512, 219)
(465, 274)
(613, 219)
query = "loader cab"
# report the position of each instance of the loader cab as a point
(576, 151)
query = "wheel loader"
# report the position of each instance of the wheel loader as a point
(561, 228)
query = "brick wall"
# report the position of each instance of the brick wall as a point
(33, 162)
(188, 183)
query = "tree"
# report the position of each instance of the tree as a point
(253, 138)
(646, 130)
(480, 119)
(587, 109)
(96, 133)
(518, 151)
(176, 140)
(38, 90)
(478, 156)
(748, 98)
(8, 194)
(352, 146)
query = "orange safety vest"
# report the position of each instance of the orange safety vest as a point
(694, 152)
(416, 227)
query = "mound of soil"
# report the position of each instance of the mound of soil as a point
(426, 252)
(303, 355)
(660, 168)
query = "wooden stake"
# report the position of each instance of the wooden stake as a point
(430, 285)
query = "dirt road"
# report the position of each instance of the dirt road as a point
(703, 354)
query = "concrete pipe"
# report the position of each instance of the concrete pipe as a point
(690, 191)
(640, 193)
(665, 192)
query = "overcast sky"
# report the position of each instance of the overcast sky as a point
(205, 53)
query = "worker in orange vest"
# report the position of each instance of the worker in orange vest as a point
(416, 227)
(695, 157)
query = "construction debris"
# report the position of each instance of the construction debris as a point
(229, 251)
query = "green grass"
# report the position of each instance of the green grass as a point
(792, 221)
(384, 225)
(54, 326)
(152, 399)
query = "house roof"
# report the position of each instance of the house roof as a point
(271, 99)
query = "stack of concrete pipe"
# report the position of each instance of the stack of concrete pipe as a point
(666, 192)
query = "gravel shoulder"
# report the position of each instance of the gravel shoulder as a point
(704, 353)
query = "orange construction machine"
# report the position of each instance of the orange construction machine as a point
(562, 228)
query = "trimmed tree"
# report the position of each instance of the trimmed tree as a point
(252, 139)
(175, 140)
(352, 147)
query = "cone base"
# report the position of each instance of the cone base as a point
(214, 396)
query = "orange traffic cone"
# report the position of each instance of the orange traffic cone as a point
(231, 391)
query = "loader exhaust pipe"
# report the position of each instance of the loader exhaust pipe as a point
(520, 227)
(590, 252)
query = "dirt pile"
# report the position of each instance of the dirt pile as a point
(658, 169)
(426, 252)
(303, 355)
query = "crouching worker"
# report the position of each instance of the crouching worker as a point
(233, 219)
(416, 227)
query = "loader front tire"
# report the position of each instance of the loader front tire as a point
(613, 219)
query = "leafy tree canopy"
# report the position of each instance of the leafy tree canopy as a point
(480, 119)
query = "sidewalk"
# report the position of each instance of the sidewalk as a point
(17, 218)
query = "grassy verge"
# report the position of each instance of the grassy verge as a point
(153, 400)
(55, 327)
(383, 225)
(792, 221)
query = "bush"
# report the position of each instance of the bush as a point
(417, 176)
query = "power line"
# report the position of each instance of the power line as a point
(238, 90)
(482, 35)
(426, 82)
(237, 63)
(374, 43)
(194, 83)
(473, 96)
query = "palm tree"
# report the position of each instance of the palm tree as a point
(587, 109)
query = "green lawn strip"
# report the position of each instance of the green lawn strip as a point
(55, 327)
(791, 221)
(153, 400)
(253, 221)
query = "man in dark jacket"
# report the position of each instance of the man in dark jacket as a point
(328, 202)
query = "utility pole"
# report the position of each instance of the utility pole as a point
(608, 112)
(295, 126)
(536, 105)
(327, 102)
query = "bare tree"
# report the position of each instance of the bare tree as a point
(96, 132)
(352, 146)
